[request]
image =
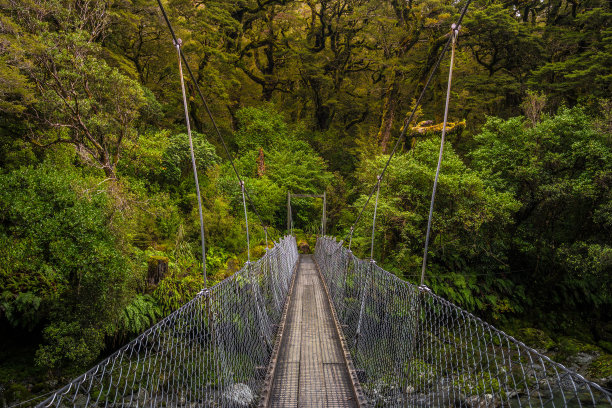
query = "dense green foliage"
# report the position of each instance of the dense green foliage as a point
(60, 263)
(470, 227)
(97, 195)
(560, 170)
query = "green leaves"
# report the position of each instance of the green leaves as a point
(467, 253)
(260, 128)
(69, 344)
(140, 314)
(176, 159)
(556, 169)
(175, 290)
(63, 87)
(60, 262)
(581, 56)
(21, 310)
(285, 163)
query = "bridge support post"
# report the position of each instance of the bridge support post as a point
(288, 212)
(324, 218)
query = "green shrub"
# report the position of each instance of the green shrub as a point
(60, 264)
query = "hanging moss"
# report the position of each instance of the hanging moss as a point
(429, 128)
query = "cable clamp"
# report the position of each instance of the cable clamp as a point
(424, 289)
(177, 43)
(455, 31)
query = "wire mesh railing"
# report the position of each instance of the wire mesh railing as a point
(213, 351)
(413, 348)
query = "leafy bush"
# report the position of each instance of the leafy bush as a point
(175, 290)
(70, 344)
(21, 310)
(291, 164)
(260, 127)
(59, 260)
(467, 261)
(176, 159)
(559, 170)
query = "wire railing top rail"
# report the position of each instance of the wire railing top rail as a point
(414, 348)
(212, 351)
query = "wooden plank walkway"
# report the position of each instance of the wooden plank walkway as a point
(311, 367)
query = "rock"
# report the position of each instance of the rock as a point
(601, 369)
(536, 338)
(577, 355)
(513, 394)
(80, 401)
(239, 395)
(434, 399)
(583, 358)
(534, 394)
(481, 401)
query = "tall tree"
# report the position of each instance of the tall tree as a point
(80, 99)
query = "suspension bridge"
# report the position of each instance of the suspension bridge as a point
(324, 330)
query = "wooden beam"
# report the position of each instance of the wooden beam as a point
(307, 195)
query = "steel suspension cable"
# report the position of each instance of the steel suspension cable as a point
(412, 113)
(246, 220)
(193, 161)
(266, 233)
(374, 218)
(209, 112)
(454, 34)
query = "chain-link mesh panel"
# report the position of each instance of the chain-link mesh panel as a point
(213, 351)
(413, 348)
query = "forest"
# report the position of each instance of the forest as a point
(97, 190)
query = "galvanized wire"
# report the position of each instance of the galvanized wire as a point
(412, 348)
(193, 161)
(213, 351)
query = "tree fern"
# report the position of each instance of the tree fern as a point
(139, 315)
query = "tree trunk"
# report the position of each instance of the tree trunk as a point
(388, 114)
(261, 164)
